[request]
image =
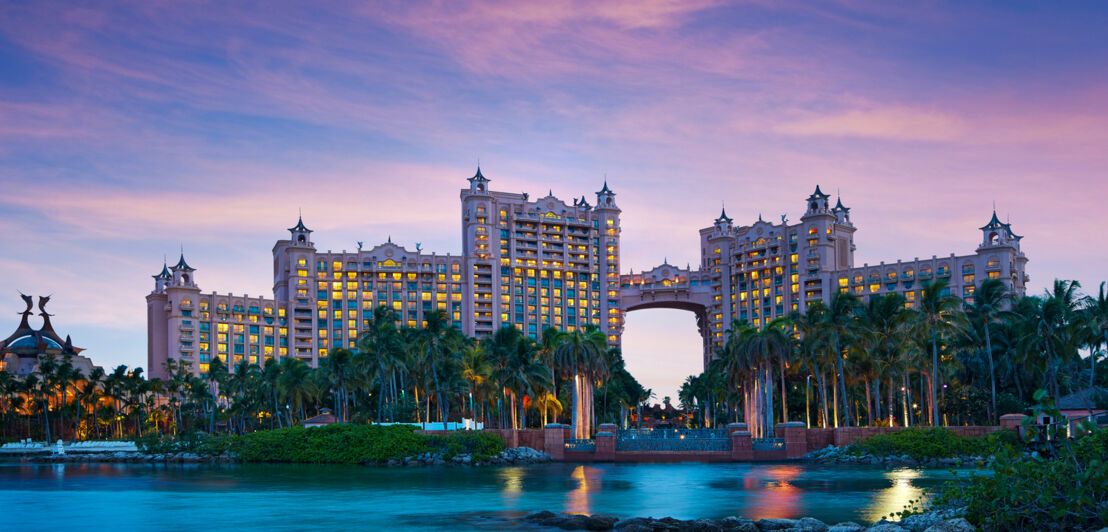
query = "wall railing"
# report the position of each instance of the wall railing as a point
(768, 444)
(580, 445)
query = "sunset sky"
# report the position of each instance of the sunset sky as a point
(131, 130)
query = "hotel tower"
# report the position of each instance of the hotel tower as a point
(528, 263)
(543, 263)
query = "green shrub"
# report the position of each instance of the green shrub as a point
(196, 443)
(932, 442)
(482, 445)
(355, 444)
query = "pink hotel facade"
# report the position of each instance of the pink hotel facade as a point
(538, 263)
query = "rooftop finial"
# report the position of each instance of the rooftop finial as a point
(390, 239)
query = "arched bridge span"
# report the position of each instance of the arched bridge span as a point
(667, 286)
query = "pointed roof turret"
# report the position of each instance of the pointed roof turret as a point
(164, 273)
(182, 265)
(300, 227)
(606, 190)
(994, 223)
(818, 194)
(478, 177)
(723, 216)
(840, 207)
(583, 203)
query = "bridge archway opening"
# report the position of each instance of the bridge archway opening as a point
(661, 347)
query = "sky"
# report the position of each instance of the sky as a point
(132, 130)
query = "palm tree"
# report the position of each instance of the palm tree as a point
(582, 352)
(240, 383)
(439, 336)
(380, 353)
(550, 338)
(270, 378)
(89, 389)
(476, 370)
(939, 314)
(761, 349)
(812, 348)
(989, 305)
(841, 321)
(296, 385)
(47, 370)
(217, 374)
(1096, 318)
(336, 368)
(522, 373)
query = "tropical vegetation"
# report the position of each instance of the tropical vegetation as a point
(888, 361)
(396, 374)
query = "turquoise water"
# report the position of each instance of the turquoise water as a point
(331, 497)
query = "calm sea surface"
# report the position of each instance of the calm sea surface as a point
(329, 497)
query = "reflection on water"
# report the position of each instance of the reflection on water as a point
(278, 496)
(896, 497)
(577, 500)
(776, 497)
(513, 482)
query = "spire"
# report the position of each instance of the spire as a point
(182, 265)
(994, 223)
(390, 239)
(478, 177)
(723, 216)
(818, 194)
(840, 207)
(300, 227)
(164, 273)
(606, 190)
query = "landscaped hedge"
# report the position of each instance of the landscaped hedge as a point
(355, 444)
(937, 442)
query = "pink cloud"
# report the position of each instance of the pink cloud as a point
(900, 123)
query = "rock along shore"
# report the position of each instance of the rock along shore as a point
(937, 521)
(518, 456)
(840, 455)
(129, 458)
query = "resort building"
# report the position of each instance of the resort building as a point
(530, 264)
(22, 350)
(768, 270)
(543, 263)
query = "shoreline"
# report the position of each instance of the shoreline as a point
(516, 456)
(933, 521)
